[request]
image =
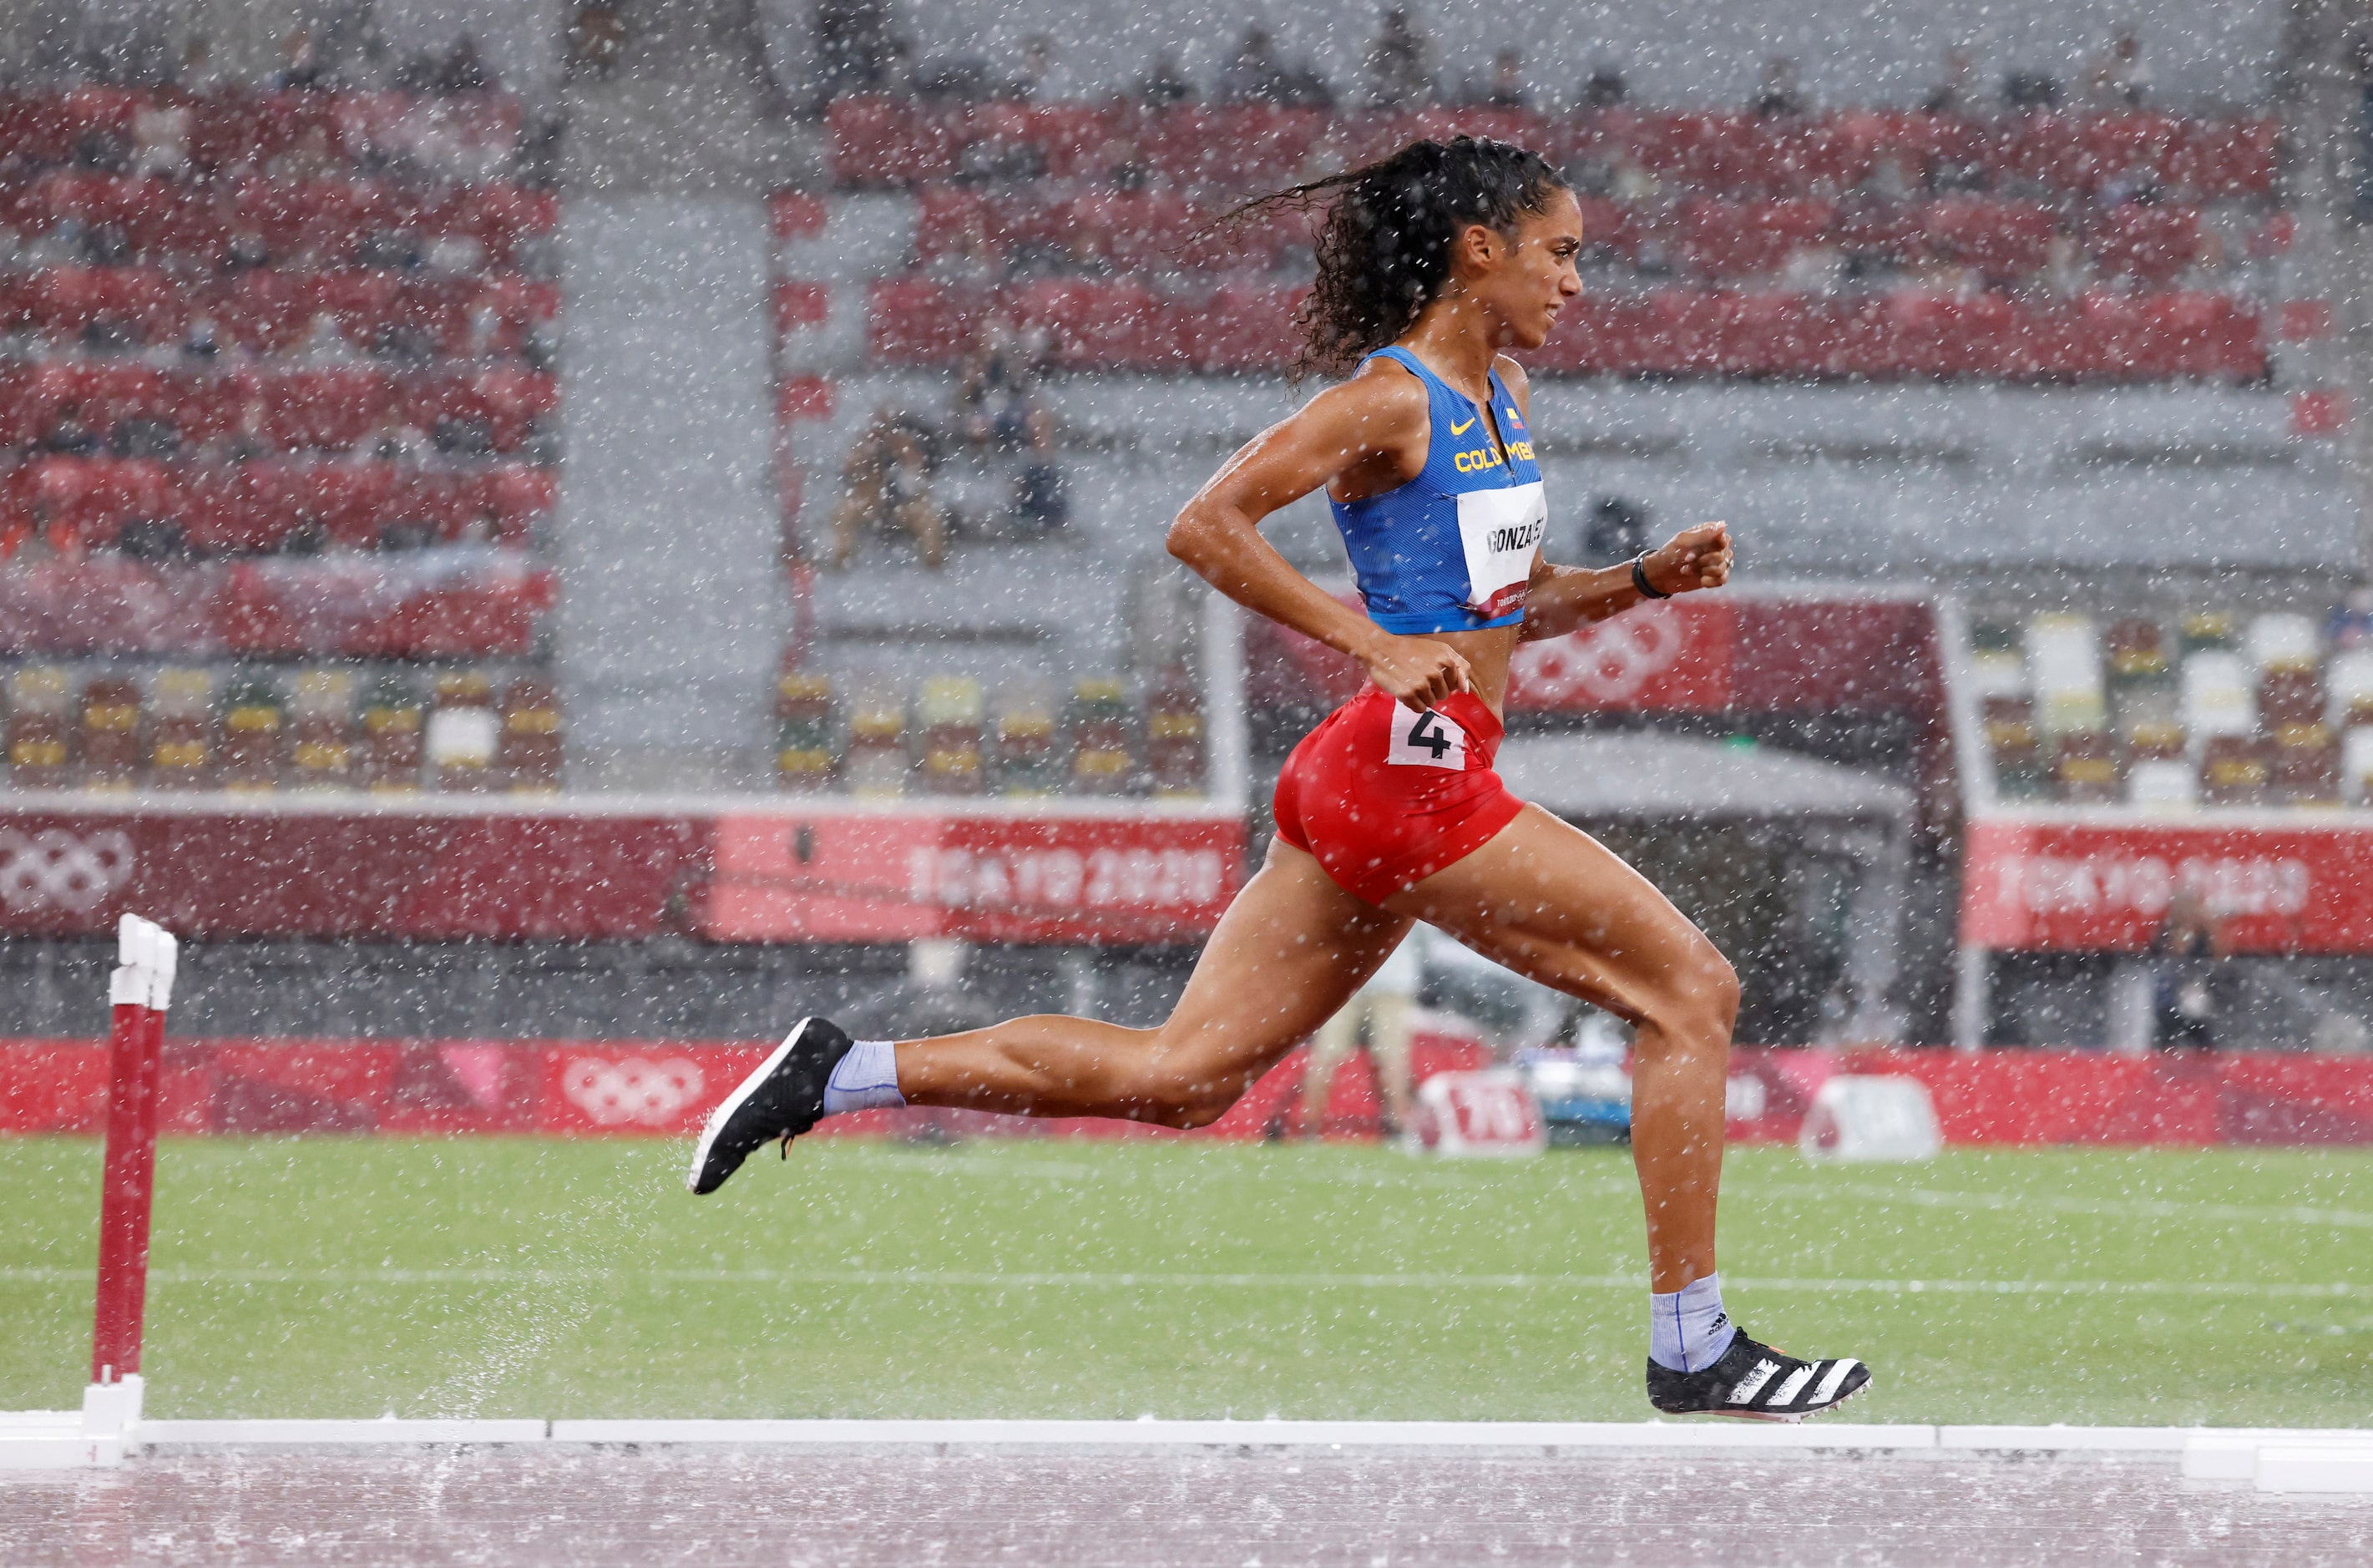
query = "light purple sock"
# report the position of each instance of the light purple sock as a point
(1688, 1330)
(865, 1079)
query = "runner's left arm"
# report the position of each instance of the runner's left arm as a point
(1565, 599)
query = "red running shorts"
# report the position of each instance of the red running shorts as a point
(1386, 796)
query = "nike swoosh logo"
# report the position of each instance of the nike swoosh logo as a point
(1462, 429)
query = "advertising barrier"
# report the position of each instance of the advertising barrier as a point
(455, 868)
(599, 1088)
(2104, 887)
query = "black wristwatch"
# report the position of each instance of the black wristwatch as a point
(1639, 580)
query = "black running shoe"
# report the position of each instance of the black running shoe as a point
(782, 1099)
(1755, 1381)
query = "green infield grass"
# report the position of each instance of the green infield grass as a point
(498, 1277)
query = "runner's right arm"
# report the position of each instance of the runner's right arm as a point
(1369, 431)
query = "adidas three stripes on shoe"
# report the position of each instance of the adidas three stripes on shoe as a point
(1757, 1383)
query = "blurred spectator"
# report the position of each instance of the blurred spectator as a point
(152, 435)
(244, 248)
(886, 484)
(2117, 78)
(65, 435)
(1041, 503)
(1400, 64)
(464, 70)
(198, 74)
(996, 405)
(1043, 78)
(2352, 622)
(597, 39)
(2029, 91)
(1951, 94)
(1255, 75)
(153, 541)
(2189, 991)
(1164, 84)
(301, 69)
(1604, 89)
(1778, 94)
(1617, 531)
(1504, 89)
(858, 48)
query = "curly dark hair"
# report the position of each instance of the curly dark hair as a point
(1383, 242)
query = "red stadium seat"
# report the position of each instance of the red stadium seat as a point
(1074, 141)
(887, 141)
(795, 215)
(799, 305)
(66, 300)
(2150, 243)
(91, 498)
(265, 313)
(2002, 239)
(1236, 147)
(1098, 325)
(1245, 328)
(1733, 238)
(918, 322)
(250, 129)
(943, 212)
(324, 408)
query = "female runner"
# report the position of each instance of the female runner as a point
(1431, 263)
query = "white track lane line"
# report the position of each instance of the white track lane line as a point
(2111, 1207)
(1131, 1280)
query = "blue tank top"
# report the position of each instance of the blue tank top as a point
(1452, 549)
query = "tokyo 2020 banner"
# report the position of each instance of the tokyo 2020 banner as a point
(2080, 886)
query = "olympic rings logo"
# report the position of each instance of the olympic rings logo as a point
(67, 870)
(1608, 662)
(648, 1093)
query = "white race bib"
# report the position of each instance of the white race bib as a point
(1426, 740)
(1502, 532)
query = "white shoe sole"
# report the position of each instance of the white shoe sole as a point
(734, 1102)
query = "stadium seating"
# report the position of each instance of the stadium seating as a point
(274, 387)
(2103, 247)
(883, 140)
(2204, 709)
(949, 737)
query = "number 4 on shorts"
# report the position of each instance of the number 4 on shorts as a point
(1427, 740)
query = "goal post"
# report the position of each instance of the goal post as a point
(142, 986)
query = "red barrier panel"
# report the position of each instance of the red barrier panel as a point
(2079, 887)
(592, 1088)
(2079, 1097)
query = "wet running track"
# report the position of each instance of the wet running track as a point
(1272, 1508)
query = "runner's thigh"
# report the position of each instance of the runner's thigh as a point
(1556, 906)
(1287, 955)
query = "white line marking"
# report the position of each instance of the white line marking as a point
(2030, 1203)
(1131, 1280)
